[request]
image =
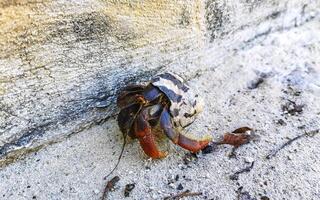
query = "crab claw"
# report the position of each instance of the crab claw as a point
(193, 145)
(238, 137)
(142, 131)
(185, 142)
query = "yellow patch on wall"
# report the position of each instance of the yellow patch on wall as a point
(18, 20)
(153, 21)
(134, 24)
(2, 91)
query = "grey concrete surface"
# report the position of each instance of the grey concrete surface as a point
(271, 83)
(61, 59)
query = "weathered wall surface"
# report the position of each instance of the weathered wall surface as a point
(61, 61)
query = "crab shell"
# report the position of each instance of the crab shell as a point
(164, 106)
(184, 103)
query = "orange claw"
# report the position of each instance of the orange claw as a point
(235, 139)
(238, 137)
(142, 131)
(185, 142)
(150, 148)
(192, 145)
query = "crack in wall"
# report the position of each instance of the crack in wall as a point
(30, 137)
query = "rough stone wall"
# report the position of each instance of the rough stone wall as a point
(62, 62)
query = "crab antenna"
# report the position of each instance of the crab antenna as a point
(125, 135)
(115, 167)
(120, 156)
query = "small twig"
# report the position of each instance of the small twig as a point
(235, 176)
(186, 193)
(110, 185)
(276, 151)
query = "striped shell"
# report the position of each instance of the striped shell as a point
(185, 104)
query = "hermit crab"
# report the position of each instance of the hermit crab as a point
(165, 105)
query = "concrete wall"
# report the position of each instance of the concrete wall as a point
(60, 61)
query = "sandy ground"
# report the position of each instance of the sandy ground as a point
(273, 87)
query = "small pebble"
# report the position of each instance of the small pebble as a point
(281, 122)
(128, 189)
(96, 191)
(151, 188)
(261, 184)
(180, 187)
(171, 185)
(181, 166)
(248, 159)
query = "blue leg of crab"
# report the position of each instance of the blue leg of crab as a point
(151, 93)
(143, 132)
(179, 139)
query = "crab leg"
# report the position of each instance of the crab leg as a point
(126, 118)
(142, 131)
(237, 137)
(130, 95)
(137, 94)
(177, 138)
(151, 93)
